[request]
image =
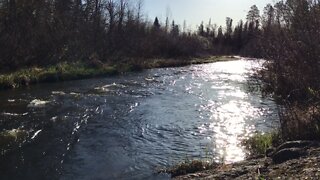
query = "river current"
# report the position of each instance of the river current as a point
(129, 126)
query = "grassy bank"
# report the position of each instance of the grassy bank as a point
(257, 146)
(259, 143)
(55, 73)
(188, 167)
(78, 70)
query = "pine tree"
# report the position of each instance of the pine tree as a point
(156, 24)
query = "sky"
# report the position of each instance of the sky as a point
(196, 11)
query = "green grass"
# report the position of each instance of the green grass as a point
(259, 143)
(189, 166)
(60, 72)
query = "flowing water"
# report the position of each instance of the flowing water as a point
(128, 126)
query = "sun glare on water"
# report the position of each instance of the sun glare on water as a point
(231, 111)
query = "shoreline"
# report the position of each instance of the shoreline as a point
(78, 70)
(291, 160)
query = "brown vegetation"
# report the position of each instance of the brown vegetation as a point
(46, 32)
(291, 41)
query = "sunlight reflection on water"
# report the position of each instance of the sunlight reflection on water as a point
(232, 112)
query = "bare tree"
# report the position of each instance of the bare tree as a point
(140, 4)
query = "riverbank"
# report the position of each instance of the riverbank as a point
(135, 111)
(291, 160)
(79, 70)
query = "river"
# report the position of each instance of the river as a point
(128, 126)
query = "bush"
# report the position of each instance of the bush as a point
(259, 143)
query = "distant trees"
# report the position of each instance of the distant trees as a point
(174, 29)
(45, 32)
(201, 30)
(228, 27)
(240, 39)
(268, 17)
(156, 24)
(253, 16)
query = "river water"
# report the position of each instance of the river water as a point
(128, 126)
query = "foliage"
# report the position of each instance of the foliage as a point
(189, 167)
(59, 72)
(78, 70)
(47, 32)
(291, 39)
(259, 143)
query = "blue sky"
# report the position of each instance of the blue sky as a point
(195, 11)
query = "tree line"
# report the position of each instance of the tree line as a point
(288, 35)
(45, 32)
(233, 40)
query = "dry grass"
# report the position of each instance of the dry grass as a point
(188, 167)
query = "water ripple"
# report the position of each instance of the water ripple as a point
(125, 127)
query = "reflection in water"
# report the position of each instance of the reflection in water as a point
(126, 127)
(229, 128)
(232, 111)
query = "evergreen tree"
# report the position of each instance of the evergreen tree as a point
(201, 30)
(174, 29)
(156, 24)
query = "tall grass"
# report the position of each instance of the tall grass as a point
(188, 167)
(78, 70)
(60, 72)
(261, 142)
